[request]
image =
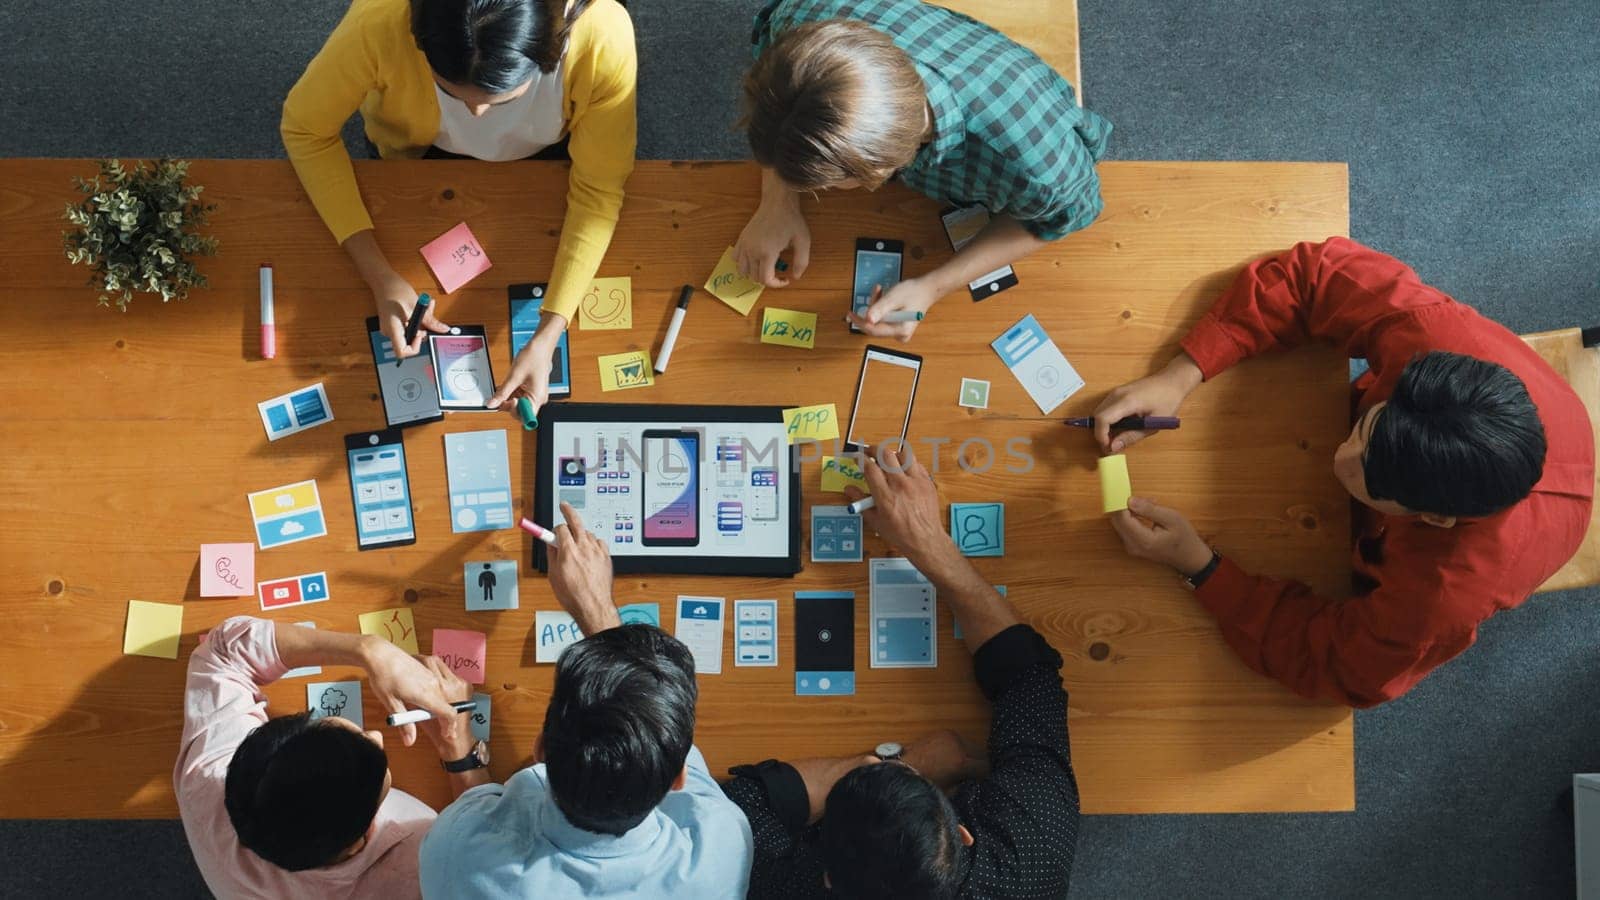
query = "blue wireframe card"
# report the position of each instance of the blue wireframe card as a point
(835, 534)
(480, 480)
(904, 616)
(979, 529)
(755, 632)
(491, 584)
(526, 301)
(640, 614)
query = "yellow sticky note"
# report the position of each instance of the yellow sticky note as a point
(1114, 487)
(838, 472)
(620, 371)
(727, 285)
(817, 423)
(788, 327)
(607, 305)
(393, 625)
(153, 629)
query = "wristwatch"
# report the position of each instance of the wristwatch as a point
(1193, 582)
(889, 751)
(476, 758)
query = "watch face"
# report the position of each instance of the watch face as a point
(888, 750)
(482, 749)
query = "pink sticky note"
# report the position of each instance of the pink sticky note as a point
(455, 257)
(227, 570)
(462, 651)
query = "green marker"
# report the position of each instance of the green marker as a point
(525, 410)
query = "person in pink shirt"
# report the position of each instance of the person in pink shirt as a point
(294, 806)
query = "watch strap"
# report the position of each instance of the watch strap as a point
(1193, 582)
(464, 764)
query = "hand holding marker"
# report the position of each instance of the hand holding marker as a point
(1129, 423)
(413, 716)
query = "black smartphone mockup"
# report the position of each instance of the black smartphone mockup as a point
(877, 265)
(670, 499)
(526, 302)
(885, 393)
(461, 368)
(409, 394)
(961, 225)
(380, 489)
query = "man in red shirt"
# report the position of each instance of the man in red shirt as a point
(1472, 461)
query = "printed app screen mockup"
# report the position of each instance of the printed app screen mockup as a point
(672, 488)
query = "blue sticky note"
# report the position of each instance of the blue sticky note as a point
(476, 466)
(640, 614)
(478, 719)
(490, 584)
(979, 529)
(835, 535)
(335, 698)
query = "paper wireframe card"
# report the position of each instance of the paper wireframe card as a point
(903, 616)
(1038, 363)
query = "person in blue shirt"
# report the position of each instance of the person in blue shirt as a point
(621, 803)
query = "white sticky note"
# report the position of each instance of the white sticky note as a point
(553, 632)
(700, 628)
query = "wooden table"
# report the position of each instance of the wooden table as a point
(130, 439)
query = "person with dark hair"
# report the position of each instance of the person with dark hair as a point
(934, 819)
(487, 79)
(848, 94)
(297, 806)
(620, 802)
(1471, 462)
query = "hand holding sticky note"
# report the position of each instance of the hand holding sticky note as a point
(788, 328)
(626, 370)
(811, 423)
(1115, 488)
(839, 472)
(727, 285)
(455, 257)
(608, 305)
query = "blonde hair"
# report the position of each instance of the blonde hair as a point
(833, 101)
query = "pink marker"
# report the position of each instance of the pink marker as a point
(538, 531)
(269, 334)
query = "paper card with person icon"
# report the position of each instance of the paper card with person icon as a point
(335, 698)
(979, 529)
(490, 584)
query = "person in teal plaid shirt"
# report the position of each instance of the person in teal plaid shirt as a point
(851, 93)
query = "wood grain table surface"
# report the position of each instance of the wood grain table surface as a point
(132, 438)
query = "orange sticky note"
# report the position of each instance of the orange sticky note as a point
(455, 257)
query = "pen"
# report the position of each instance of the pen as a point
(864, 503)
(413, 716)
(902, 315)
(1129, 423)
(269, 331)
(672, 329)
(538, 531)
(417, 312)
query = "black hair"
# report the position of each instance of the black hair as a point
(619, 726)
(493, 45)
(887, 832)
(301, 791)
(1459, 437)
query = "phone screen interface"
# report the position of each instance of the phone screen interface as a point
(463, 364)
(873, 269)
(671, 488)
(883, 399)
(382, 497)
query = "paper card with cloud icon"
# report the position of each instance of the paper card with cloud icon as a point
(284, 515)
(335, 698)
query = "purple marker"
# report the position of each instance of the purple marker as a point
(1129, 423)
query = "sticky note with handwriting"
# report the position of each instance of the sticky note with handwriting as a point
(621, 371)
(607, 305)
(814, 423)
(1115, 488)
(556, 631)
(839, 472)
(393, 625)
(462, 651)
(227, 570)
(727, 285)
(788, 327)
(153, 629)
(455, 257)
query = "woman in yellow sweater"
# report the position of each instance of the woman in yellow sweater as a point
(491, 79)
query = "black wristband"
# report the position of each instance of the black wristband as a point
(1194, 581)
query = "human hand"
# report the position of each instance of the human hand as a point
(905, 508)
(945, 759)
(777, 225)
(1160, 534)
(911, 295)
(1156, 395)
(401, 683)
(451, 735)
(580, 575)
(530, 374)
(394, 300)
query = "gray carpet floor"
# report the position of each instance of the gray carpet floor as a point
(1470, 130)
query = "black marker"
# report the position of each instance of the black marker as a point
(417, 312)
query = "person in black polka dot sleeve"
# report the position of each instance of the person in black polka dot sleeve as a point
(933, 819)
